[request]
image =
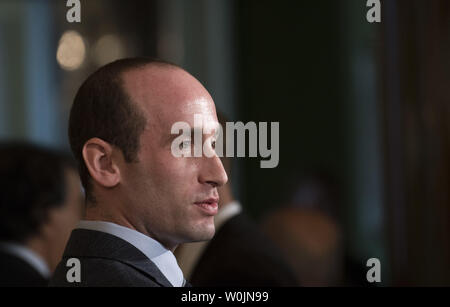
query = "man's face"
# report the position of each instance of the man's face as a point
(167, 197)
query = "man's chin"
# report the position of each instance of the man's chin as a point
(205, 234)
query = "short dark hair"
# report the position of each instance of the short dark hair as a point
(32, 181)
(103, 109)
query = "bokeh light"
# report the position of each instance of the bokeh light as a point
(71, 51)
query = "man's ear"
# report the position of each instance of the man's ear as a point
(98, 157)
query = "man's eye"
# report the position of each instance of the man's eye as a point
(213, 144)
(185, 144)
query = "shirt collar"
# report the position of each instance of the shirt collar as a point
(28, 256)
(163, 258)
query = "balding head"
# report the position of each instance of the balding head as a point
(161, 84)
(167, 94)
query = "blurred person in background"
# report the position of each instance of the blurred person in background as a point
(311, 243)
(40, 204)
(239, 254)
(307, 230)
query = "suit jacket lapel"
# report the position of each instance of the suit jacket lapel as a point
(91, 243)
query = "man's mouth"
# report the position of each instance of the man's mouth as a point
(208, 206)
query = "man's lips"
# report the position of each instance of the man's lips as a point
(208, 206)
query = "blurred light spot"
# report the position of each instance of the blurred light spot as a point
(108, 49)
(71, 50)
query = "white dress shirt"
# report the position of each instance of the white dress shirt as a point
(163, 258)
(189, 253)
(28, 256)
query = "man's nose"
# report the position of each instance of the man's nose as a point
(213, 172)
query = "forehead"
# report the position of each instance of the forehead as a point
(168, 94)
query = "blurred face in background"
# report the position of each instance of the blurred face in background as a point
(63, 219)
(172, 199)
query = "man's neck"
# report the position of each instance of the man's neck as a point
(97, 213)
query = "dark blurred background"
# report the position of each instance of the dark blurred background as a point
(363, 107)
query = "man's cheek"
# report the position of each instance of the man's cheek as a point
(182, 167)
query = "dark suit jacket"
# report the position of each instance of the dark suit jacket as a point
(240, 255)
(107, 260)
(16, 272)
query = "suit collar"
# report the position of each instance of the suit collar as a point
(97, 244)
(163, 258)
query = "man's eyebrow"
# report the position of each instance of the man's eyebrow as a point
(172, 136)
(192, 131)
